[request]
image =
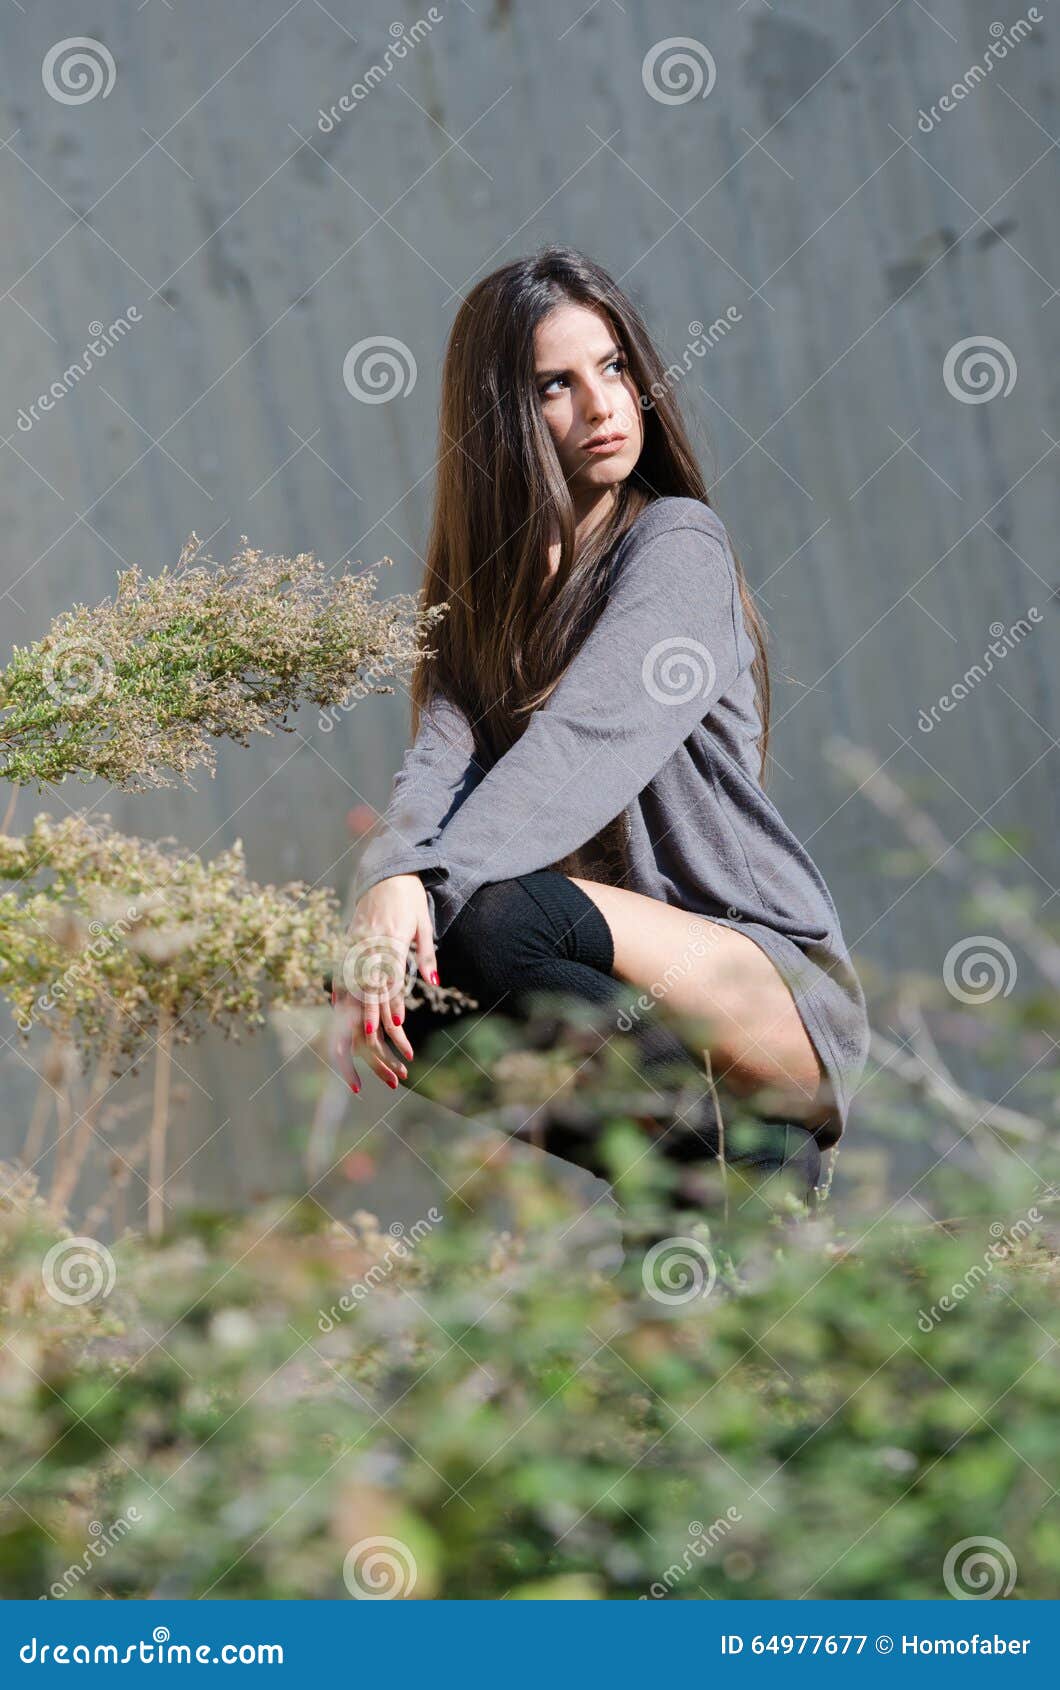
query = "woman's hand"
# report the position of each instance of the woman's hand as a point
(369, 990)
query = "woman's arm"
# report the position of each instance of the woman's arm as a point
(438, 770)
(669, 643)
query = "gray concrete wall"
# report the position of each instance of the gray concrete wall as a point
(885, 521)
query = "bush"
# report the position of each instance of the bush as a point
(282, 1406)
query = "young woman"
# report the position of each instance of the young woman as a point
(582, 808)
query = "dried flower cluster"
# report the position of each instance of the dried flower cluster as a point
(133, 690)
(104, 934)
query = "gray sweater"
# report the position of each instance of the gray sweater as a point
(654, 722)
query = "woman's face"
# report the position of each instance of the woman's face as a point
(586, 392)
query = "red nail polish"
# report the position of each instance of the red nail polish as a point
(434, 979)
(393, 1083)
(353, 1087)
(368, 1026)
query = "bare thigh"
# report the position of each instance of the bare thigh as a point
(721, 982)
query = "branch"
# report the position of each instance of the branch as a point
(940, 1088)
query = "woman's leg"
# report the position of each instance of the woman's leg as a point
(539, 933)
(543, 932)
(720, 979)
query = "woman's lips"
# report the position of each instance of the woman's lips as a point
(613, 445)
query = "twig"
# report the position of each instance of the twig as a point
(65, 1117)
(721, 1129)
(940, 1088)
(323, 1132)
(156, 1171)
(129, 1162)
(66, 1181)
(9, 812)
(41, 1110)
(945, 857)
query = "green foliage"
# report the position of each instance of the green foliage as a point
(525, 1420)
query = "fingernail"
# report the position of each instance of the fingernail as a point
(434, 979)
(353, 1087)
(392, 1083)
(368, 1027)
(397, 1021)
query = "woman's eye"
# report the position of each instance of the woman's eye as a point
(616, 363)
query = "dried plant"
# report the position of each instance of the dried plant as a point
(119, 929)
(133, 690)
(119, 947)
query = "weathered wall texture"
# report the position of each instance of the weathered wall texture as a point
(885, 521)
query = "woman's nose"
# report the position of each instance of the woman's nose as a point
(598, 406)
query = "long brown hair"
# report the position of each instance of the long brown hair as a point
(509, 632)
